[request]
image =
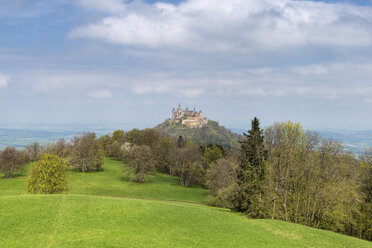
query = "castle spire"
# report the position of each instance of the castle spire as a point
(179, 106)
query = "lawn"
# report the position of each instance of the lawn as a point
(106, 209)
(97, 221)
(113, 182)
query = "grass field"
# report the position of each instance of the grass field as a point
(101, 211)
(113, 182)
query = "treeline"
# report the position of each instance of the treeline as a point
(281, 172)
(287, 174)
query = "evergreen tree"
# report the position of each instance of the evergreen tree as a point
(251, 173)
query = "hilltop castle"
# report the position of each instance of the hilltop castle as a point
(191, 118)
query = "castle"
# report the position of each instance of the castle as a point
(191, 118)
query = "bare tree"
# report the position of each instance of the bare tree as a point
(140, 160)
(87, 153)
(11, 161)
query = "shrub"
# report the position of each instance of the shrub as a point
(48, 175)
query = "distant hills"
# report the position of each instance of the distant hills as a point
(211, 133)
(355, 141)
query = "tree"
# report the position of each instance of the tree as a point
(220, 179)
(118, 136)
(140, 160)
(87, 153)
(251, 173)
(187, 164)
(33, 152)
(60, 148)
(48, 175)
(161, 151)
(211, 153)
(11, 161)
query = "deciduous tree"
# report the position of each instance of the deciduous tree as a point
(11, 161)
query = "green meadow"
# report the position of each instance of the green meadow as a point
(106, 209)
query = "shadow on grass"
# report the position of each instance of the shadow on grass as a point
(15, 175)
(74, 169)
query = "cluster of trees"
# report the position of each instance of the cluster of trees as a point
(49, 172)
(288, 174)
(212, 133)
(147, 151)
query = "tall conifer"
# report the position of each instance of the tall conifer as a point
(251, 174)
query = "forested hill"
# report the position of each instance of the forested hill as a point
(212, 133)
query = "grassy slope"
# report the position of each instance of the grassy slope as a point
(82, 220)
(96, 221)
(112, 182)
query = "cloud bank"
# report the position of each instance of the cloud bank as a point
(239, 25)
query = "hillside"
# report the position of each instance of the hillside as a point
(105, 209)
(211, 133)
(97, 221)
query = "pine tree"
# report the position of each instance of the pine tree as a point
(251, 174)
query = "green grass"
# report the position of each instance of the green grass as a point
(113, 182)
(96, 221)
(105, 209)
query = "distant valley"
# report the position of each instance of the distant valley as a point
(355, 141)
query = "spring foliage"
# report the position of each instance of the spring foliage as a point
(48, 175)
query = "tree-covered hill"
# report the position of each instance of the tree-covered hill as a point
(212, 133)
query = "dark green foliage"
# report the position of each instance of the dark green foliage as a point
(211, 153)
(48, 175)
(212, 133)
(251, 174)
(11, 161)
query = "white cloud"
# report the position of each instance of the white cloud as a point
(240, 25)
(101, 94)
(4, 80)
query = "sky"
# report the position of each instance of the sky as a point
(118, 62)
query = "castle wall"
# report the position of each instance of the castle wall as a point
(189, 118)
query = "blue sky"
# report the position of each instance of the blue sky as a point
(129, 62)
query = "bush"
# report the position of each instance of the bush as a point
(48, 176)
